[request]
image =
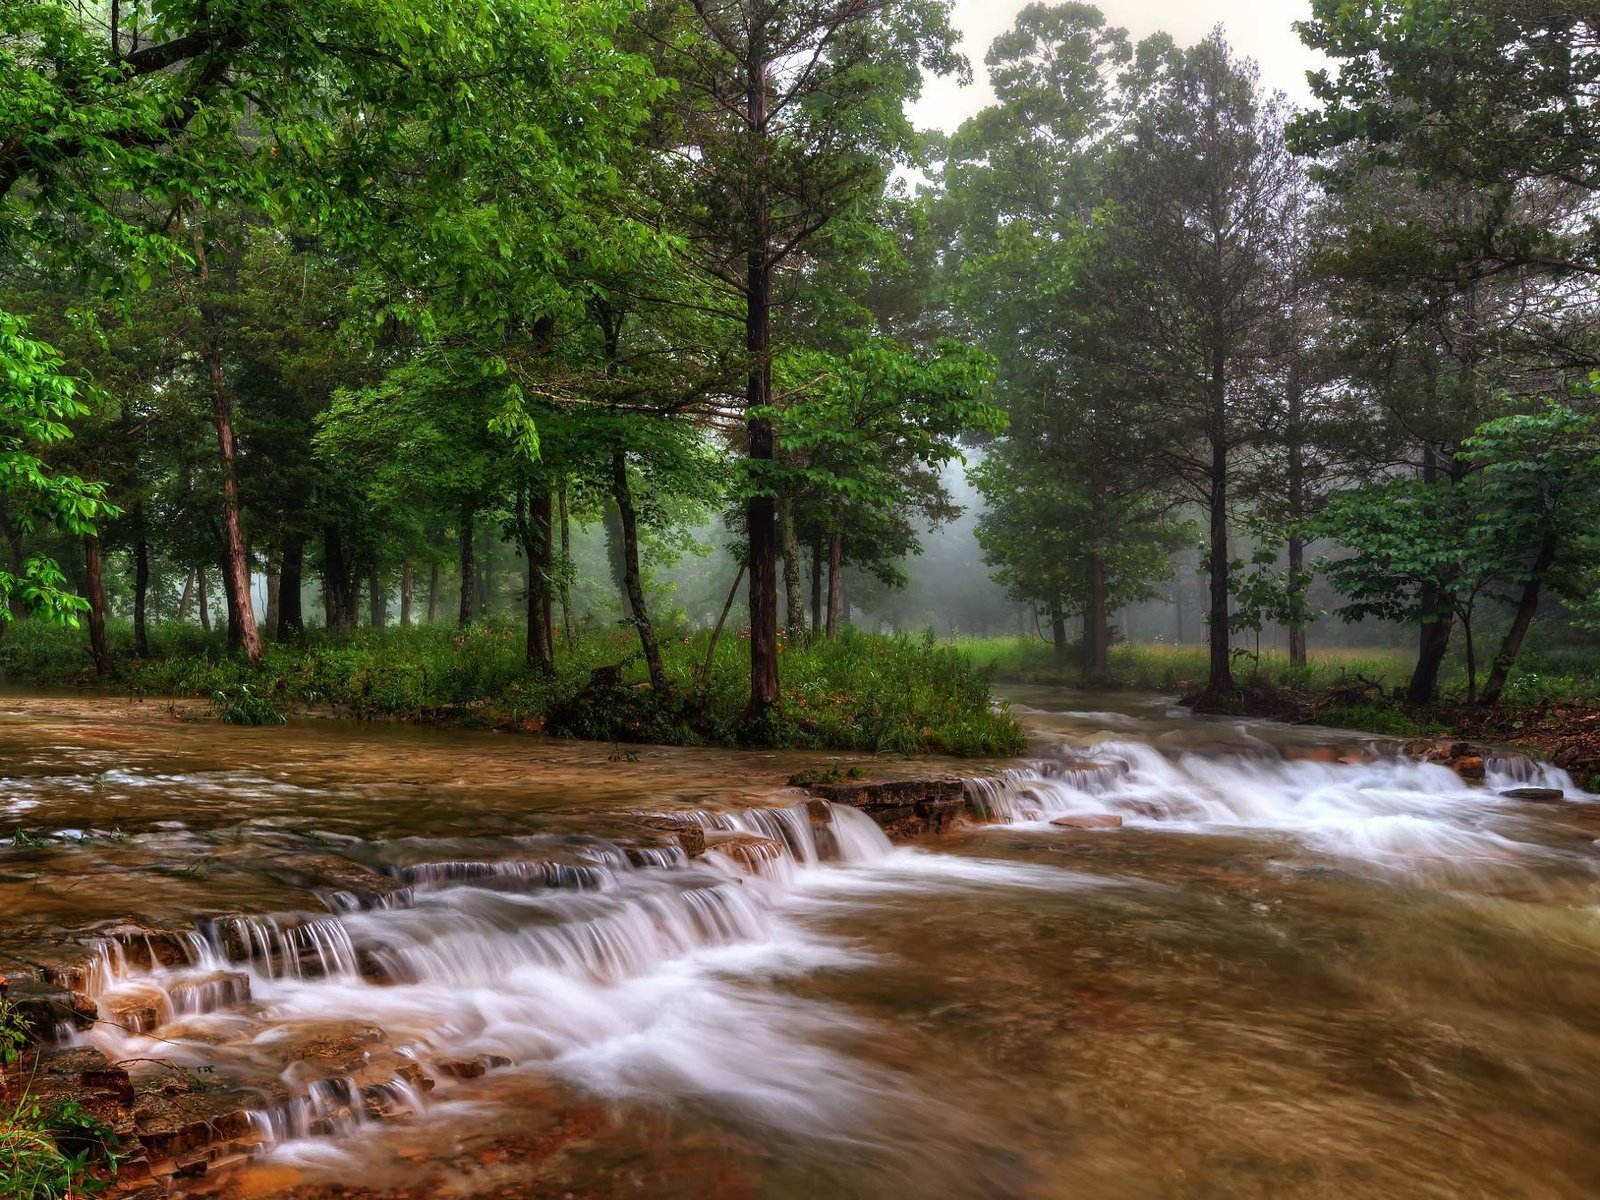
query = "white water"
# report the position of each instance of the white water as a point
(631, 973)
(1390, 812)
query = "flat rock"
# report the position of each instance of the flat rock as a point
(1534, 793)
(1089, 821)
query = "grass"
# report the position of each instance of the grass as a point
(855, 692)
(1332, 689)
(1167, 668)
(48, 1153)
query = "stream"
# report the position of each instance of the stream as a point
(438, 964)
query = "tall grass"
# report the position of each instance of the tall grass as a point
(853, 692)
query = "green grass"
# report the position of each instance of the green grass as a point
(47, 1153)
(1180, 668)
(855, 692)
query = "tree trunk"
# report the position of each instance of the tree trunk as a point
(1058, 633)
(186, 597)
(99, 648)
(1435, 644)
(533, 529)
(1472, 659)
(835, 574)
(340, 592)
(761, 512)
(274, 592)
(236, 573)
(1220, 681)
(377, 599)
(230, 602)
(1433, 636)
(1096, 623)
(1527, 606)
(469, 581)
(291, 613)
(205, 600)
(433, 592)
(716, 631)
(141, 583)
(611, 520)
(1297, 515)
(622, 492)
(794, 588)
(564, 576)
(816, 587)
(1298, 656)
(407, 584)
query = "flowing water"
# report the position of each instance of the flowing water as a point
(1284, 975)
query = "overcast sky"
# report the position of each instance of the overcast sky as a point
(1258, 29)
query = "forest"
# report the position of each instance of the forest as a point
(595, 343)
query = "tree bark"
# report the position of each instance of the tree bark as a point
(1527, 606)
(407, 584)
(761, 515)
(291, 612)
(1297, 514)
(99, 648)
(185, 597)
(794, 588)
(377, 599)
(1096, 623)
(1220, 681)
(716, 631)
(274, 592)
(469, 582)
(816, 587)
(141, 583)
(533, 530)
(564, 576)
(835, 574)
(1058, 633)
(433, 592)
(205, 600)
(1433, 636)
(236, 574)
(622, 493)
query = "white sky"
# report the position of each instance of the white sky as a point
(1258, 29)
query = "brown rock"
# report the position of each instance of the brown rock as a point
(1534, 793)
(903, 808)
(1089, 821)
(1468, 766)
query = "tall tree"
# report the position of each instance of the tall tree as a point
(793, 114)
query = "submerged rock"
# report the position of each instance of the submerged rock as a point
(1089, 821)
(1534, 793)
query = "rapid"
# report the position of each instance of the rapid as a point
(1276, 962)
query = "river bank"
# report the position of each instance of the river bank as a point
(1158, 954)
(851, 693)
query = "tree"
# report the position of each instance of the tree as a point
(1539, 501)
(1184, 299)
(1480, 96)
(792, 115)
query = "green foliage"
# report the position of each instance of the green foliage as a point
(854, 692)
(15, 1035)
(244, 707)
(59, 1152)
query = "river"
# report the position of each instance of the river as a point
(1302, 967)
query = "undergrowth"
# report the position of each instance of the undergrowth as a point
(853, 692)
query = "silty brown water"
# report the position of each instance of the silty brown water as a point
(1281, 977)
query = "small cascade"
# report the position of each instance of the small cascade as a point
(615, 965)
(1392, 811)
